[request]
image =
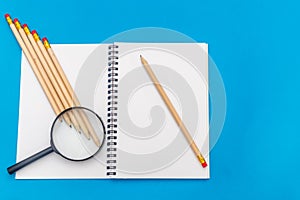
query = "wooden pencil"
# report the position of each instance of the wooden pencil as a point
(66, 102)
(35, 57)
(173, 112)
(59, 97)
(34, 65)
(57, 76)
(53, 61)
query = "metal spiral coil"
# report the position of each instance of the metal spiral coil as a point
(112, 110)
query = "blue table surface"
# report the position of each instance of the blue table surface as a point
(255, 46)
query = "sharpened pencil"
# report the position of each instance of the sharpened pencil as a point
(173, 112)
(69, 90)
(61, 92)
(34, 64)
(51, 78)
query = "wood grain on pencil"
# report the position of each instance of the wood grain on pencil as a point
(173, 112)
(34, 63)
(51, 72)
(49, 53)
(51, 78)
(61, 101)
(57, 92)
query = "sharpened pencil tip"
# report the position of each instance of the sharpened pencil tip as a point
(97, 142)
(142, 58)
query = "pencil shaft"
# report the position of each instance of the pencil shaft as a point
(43, 75)
(57, 80)
(35, 69)
(57, 88)
(70, 92)
(63, 76)
(55, 76)
(173, 111)
(39, 68)
(61, 83)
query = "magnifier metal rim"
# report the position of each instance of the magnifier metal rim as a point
(57, 118)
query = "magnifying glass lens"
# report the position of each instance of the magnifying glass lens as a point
(80, 141)
(76, 134)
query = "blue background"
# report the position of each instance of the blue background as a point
(255, 45)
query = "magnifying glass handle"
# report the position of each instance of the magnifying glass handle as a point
(12, 169)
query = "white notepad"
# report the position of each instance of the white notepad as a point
(142, 138)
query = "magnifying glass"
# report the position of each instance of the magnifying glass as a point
(68, 142)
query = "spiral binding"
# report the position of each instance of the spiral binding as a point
(112, 110)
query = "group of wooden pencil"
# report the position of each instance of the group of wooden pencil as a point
(51, 77)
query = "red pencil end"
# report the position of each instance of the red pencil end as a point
(16, 20)
(44, 39)
(25, 25)
(46, 43)
(204, 164)
(6, 15)
(33, 32)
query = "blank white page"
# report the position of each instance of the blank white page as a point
(150, 144)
